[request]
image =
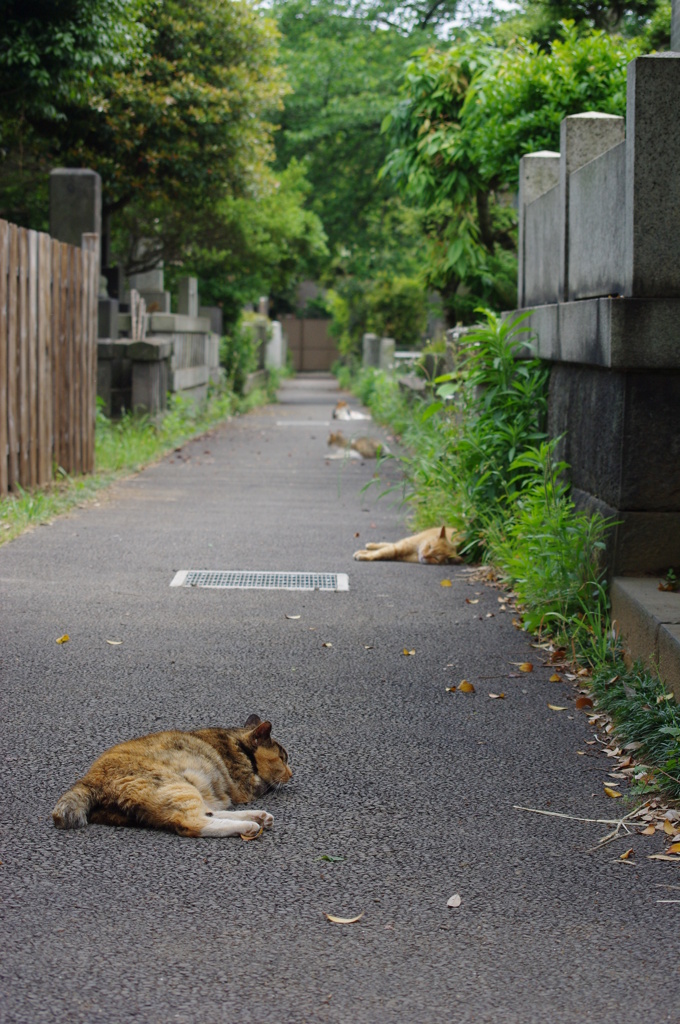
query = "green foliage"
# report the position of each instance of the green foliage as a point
(466, 116)
(397, 308)
(239, 355)
(344, 72)
(549, 553)
(643, 712)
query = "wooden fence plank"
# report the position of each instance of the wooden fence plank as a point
(13, 357)
(55, 285)
(91, 245)
(24, 394)
(32, 355)
(65, 368)
(44, 368)
(4, 270)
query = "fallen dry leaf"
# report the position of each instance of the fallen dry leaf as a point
(663, 856)
(406, 652)
(451, 689)
(454, 901)
(497, 696)
(466, 687)
(627, 854)
(445, 583)
(326, 644)
(247, 839)
(555, 678)
(292, 616)
(343, 920)
(470, 600)
(612, 792)
(584, 702)
(63, 639)
(673, 848)
(556, 707)
(357, 534)
(114, 643)
(649, 831)
(668, 828)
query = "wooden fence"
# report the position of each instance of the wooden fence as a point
(48, 356)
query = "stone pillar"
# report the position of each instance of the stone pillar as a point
(652, 232)
(371, 350)
(187, 302)
(387, 348)
(582, 138)
(151, 287)
(538, 173)
(75, 204)
(675, 26)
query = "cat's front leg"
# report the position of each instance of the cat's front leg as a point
(263, 818)
(215, 826)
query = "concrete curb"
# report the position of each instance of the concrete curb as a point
(649, 620)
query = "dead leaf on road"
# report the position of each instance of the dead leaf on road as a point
(497, 696)
(673, 848)
(445, 583)
(343, 920)
(326, 644)
(292, 616)
(627, 854)
(584, 702)
(247, 839)
(470, 600)
(63, 639)
(454, 901)
(612, 792)
(556, 707)
(662, 856)
(114, 643)
(555, 678)
(406, 652)
(466, 687)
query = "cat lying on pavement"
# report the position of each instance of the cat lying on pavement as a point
(183, 782)
(431, 547)
(367, 447)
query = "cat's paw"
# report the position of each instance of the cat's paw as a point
(263, 818)
(249, 828)
(361, 556)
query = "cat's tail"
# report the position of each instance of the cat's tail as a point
(72, 809)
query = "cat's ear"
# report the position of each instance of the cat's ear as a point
(442, 535)
(262, 733)
(253, 720)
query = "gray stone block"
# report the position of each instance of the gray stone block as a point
(214, 314)
(538, 173)
(386, 358)
(107, 319)
(371, 350)
(541, 263)
(75, 204)
(597, 198)
(675, 26)
(620, 435)
(150, 386)
(187, 301)
(583, 137)
(148, 281)
(652, 226)
(157, 302)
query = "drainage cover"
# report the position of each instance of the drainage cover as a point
(238, 580)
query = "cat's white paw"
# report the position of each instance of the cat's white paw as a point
(249, 828)
(361, 556)
(265, 819)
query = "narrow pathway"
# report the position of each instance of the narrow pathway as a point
(411, 788)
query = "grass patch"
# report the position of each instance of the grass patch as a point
(123, 447)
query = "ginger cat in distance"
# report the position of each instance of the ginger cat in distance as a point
(367, 447)
(430, 547)
(183, 782)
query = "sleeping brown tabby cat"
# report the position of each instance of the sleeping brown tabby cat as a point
(431, 547)
(183, 782)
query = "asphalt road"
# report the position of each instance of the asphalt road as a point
(411, 786)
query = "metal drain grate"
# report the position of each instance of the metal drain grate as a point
(237, 580)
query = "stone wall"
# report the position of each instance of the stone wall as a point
(599, 271)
